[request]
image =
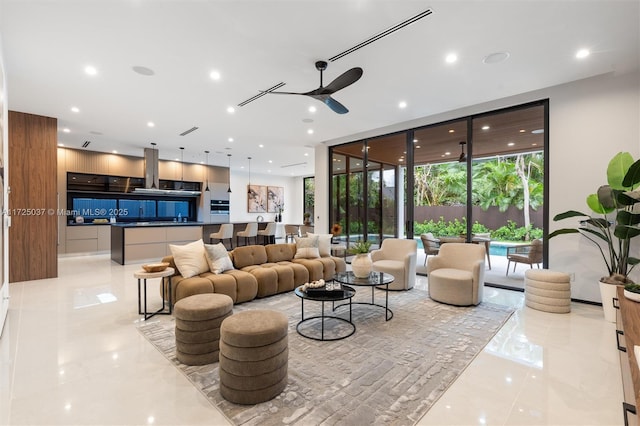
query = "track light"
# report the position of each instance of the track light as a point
(463, 156)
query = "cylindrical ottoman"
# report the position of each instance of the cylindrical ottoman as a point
(254, 355)
(198, 321)
(547, 291)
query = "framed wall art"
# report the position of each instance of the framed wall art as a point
(256, 198)
(275, 199)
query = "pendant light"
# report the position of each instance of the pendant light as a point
(229, 173)
(249, 186)
(153, 166)
(181, 167)
(463, 156)
(207, 171)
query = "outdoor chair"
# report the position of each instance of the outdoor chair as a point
(430, 244)
(529, 254)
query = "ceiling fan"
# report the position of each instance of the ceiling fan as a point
(323, 93)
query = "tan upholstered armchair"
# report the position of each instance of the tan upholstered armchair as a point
(398, 258)
(224, 233)
(456, 274)
(430, 244)
(529, 254)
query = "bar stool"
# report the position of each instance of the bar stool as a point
(268, 233)
(291, 231)
(224, 233)
(250, 231)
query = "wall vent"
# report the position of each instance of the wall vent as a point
(86, 144)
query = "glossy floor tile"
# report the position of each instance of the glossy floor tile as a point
(70, 354)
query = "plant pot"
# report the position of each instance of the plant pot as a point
(361, 265)
(607, 294)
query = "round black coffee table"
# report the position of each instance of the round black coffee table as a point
(374, 280)
(326, 296)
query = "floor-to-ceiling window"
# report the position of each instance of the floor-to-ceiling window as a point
(476, 177)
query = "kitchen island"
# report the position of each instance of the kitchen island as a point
(139, 242)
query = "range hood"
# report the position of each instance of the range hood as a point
(152, 180)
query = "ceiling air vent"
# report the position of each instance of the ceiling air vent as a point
(186, 132)
(293, 165)
(86, 144)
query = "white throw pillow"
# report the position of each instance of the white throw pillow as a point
(307, 248)
(218, 258)
(324, 243)
(190, 258)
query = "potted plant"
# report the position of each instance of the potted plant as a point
(307, 218)
(612, 225)
(361, 264)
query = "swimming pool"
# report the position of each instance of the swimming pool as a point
(497, 248)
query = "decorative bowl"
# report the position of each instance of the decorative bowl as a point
(155, 267)
(632, 296)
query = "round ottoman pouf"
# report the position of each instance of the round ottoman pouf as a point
(254, 355)
(198, 321)
(547, 291)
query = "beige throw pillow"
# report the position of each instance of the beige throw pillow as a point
(324, 243)
(218, 258)
(307, 248)
(189, 258)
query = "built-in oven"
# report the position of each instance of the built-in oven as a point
(219, 211)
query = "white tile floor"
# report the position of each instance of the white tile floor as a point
(70, 354)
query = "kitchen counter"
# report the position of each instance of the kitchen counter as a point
(139, 242)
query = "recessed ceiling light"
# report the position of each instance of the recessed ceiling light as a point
(495, 58)
(90, 70)
(400, 159)
(582, 53)
(447, 153)
(310, 131)
(215, 75)
(522, 130)
(451, 131)
(261, 146)
(510, 144)
(151, 124)
(534, 144)
(312, 109)
(415, 140)
(417, 146)
(402, 105)
(270, 161)
(231, 110)
(66, 130)
(485, 127)
(451, 58)
(143, 70)
(114, 151)
(60, 144)
(75, 109)
(306, 154)
(230, 140)
(537, 131)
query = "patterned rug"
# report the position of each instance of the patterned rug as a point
(386, 373)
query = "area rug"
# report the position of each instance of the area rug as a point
(386, 373)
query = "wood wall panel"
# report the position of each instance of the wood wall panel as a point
(33, 197)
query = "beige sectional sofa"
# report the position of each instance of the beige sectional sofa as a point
(260, 271)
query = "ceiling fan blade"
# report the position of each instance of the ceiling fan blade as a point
(335, 105)
(266, 92)
(345, 79)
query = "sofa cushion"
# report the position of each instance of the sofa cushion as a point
(190, 258)
(218, 258)
(307, 248)
(249, 255)
(324, 243)
(280, 252)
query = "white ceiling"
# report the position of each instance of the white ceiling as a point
(256, 44)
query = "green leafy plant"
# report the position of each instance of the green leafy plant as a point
(633, 288)
(360, 246)
(614, 223)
